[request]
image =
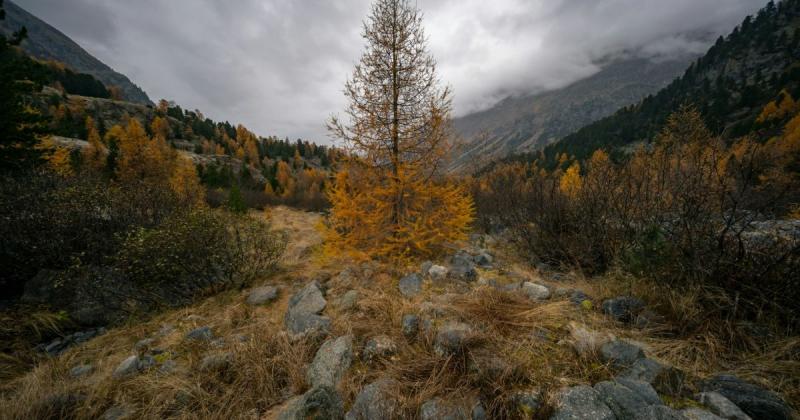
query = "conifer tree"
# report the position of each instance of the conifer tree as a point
(391, 199)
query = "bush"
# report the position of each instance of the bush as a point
(189, 253)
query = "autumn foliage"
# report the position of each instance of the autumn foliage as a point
(389, 199)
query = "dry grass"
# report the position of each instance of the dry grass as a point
(267, 369)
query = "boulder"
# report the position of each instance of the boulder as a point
(331, 362)
(302, 315)
(755, 401)
(620, 353)
(128, 368)
(624, 402)
(410, 285)
(483, 259)
(463, 271)
(721, 406)
(410, 326)
(438, 409)
(200, 334)
(318, 403)
(581, 402)
(643, 389)
(262, 295)
(381, 346)
(535, 291)
(81, 370)
(452, 338)
(664, 378)
(623, 308)
(348, 300)
(376, 401)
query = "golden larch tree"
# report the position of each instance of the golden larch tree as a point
(391, 199)
(95, 155)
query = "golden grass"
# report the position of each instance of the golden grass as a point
(267, 368)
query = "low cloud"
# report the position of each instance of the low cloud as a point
(279, 66)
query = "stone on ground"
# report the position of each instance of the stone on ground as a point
(216, 362)
(620, 353)
(581, 403)
(451, 338)
(755, 401)
(318, 403)
(127, 368)
(119, 412)
(262, 295)
(331, 362)
(665, 379)
(439, 409)
(81, 370)
(348, 300)
(535, 291)
(303, 313)
(376, 401)
(698, 414)
(623, 308)
(527, 402)
(377, 347)
(410, 325)
(586, 341)
(437, 272)
(624, 402)
(721, 406)
(200, 334)
(659, 412)
(410, 285)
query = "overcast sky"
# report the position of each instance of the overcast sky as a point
(279, 66)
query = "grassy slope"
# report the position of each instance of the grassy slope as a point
(268, 369)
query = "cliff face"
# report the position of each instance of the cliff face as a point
(48, 43)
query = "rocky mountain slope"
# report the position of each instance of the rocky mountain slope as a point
(528, 123)
(476, 335)
(729, 85)
(48, 43)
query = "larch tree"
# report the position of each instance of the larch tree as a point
(391, 199)
(95, 155)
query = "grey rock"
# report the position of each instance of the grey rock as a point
(491, 282)
(168, 366)
(698, 414)
(127, 368)
(463, 272)
(410, 325)
(755, 401)
(348, 301)
(578, 297)
(511, 287)
(478, 411)
(308, 300)
(331, 362)
(376, 401)
(119, 412)
(438, 409)
(623, 308)
(410, 285)
(620, 353)
(535, 291)
(318, 403)
(483, 259)
(147, 361)
(659, 412)
(581, 402)
(437, 272)
(379, 347)
(299, 324)
(143, 344)
(262, 295)
(665, 379)
(642, 389)
(586, 341)
(432, 309)
(527, 402)
(200, 334)
(451, 338)
(216, 362)
(81, 370)
(721, 406)
(624, 402)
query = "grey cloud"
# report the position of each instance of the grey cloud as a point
(278, 66)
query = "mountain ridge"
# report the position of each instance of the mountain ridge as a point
(45, 42)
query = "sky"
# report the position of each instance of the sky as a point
(279, 66)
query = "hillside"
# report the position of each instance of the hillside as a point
(528, 123)
(729, 85)
(48, 43)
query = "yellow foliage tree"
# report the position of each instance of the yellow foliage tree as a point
(94, 155)
(571, 182)
(390, 199)
(285, 179)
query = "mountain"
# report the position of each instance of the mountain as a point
(48, 43)
(729, 85)
(528, 123)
